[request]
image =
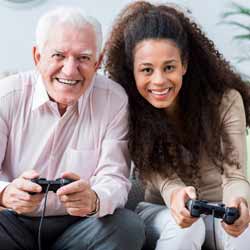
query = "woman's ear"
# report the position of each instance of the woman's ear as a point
(184, 67)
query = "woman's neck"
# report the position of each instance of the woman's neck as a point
(174, 114)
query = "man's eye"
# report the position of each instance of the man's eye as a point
(58, 56)
(84, 58)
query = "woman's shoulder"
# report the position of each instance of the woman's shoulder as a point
(230, 97)
(232, 104)
(231, 94)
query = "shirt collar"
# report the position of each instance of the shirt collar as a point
(40, 94)
(83, 98)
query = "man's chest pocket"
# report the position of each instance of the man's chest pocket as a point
(81, 162)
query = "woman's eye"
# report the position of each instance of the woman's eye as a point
(169, 68)
(147, 70)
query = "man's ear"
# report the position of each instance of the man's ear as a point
(36, 55)
(99, 61)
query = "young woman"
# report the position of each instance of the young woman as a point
(188, 116)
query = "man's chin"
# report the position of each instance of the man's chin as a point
(64, 103)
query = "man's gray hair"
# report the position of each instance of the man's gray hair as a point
(66, 15)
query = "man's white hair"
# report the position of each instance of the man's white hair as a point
(66, 15)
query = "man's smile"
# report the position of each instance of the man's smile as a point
(67, 81)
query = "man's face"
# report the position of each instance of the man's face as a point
(67, 63)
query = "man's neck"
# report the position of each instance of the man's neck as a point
(62, 109)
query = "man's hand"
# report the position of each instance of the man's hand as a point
(77, 197)
(240, 224)
(180, 213)
(16, 195)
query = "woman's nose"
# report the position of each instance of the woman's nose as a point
(158, 77)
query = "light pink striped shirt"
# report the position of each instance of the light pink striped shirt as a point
(90, 139)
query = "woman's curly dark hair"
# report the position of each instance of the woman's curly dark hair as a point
(154, 144)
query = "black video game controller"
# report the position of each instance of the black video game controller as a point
(53, 184)
(228, 214)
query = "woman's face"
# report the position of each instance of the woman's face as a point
(158, 72)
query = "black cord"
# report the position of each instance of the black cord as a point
(41, 221)
(215, 243)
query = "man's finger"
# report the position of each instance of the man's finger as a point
(72, 197)
(74, 187)
(30, 174)
(70, 175)
(78, 211)
(77, 204)
(27, 185)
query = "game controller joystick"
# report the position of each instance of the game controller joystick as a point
(53, 184)
(228, 214)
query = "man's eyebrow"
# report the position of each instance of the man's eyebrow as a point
(87, 52)
(58, 51)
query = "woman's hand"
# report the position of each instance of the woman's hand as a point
(178, 199)
(242, 222)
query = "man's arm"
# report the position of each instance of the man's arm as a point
(4, 134)
(110, 179)
(13, 194)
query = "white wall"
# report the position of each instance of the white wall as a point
(17, 26)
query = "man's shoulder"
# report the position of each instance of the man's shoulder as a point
(17, 82)
(105, 84)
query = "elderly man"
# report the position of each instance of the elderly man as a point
(65, 121)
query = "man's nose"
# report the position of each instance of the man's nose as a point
(70, 66)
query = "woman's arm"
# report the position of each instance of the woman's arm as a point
(236, 188)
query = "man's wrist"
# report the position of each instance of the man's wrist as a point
(2, 198)
(97, 205)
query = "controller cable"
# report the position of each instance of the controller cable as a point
(42, 217)
(214, 234)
